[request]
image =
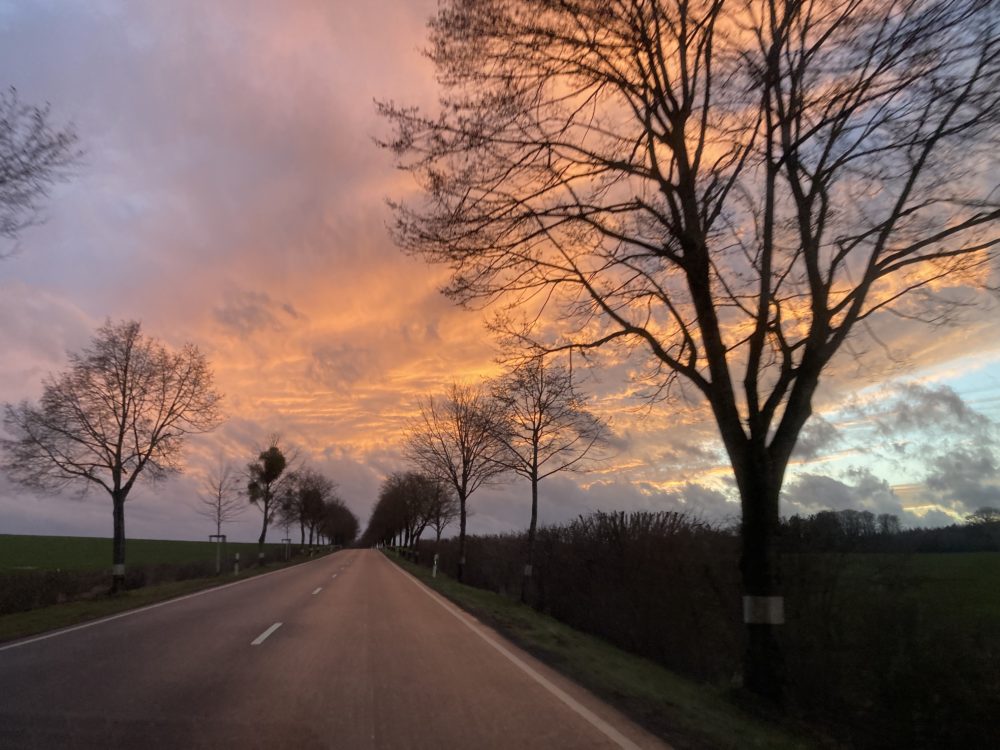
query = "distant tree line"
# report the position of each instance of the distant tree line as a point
(302, 497)
(408, 504)
(863, 531)
(531, 422)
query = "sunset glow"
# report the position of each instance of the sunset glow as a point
(232, 195)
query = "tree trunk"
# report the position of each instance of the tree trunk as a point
(302, 534)
(763, 604)
(530, 559)
(118, 545)
(263, 533)
(461, 539)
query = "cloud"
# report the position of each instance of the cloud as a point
(810, 493)
(245, 313)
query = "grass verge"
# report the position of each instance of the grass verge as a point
(42, 620)
(687, 714)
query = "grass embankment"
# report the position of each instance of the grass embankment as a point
(25, 552)
(686, 714)
(85, 553)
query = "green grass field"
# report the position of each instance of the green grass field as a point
(957, 587)
(22, 552)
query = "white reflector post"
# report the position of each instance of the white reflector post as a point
(764, 610)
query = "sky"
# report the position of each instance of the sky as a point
(231, 195)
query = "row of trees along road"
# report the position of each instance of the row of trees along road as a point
(122, 409)
(408, 504)
(532, 422)
(731, 188)
(310, 500)
(301, 496)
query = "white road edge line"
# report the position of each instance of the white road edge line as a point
(574, 705)
(318, 589)
(129, 613)
(263, 636)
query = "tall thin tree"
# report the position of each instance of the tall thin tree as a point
(220, 499)
(454, 440)
(546, 428)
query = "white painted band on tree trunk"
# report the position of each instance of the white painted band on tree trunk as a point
(118, 569)
(764, 610)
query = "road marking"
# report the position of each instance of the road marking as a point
(318, 589)
(263, 636)
(574, 705)
(129, 613)
(333, 576)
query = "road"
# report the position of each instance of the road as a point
(365, 656)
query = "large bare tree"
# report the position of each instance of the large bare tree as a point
(123, 408)
(731, 186)
(545, 429)
(454, 440)
(33, 155)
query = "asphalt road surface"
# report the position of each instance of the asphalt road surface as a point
(347, 651)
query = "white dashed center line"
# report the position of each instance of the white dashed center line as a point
(263, 636)
(318, 589)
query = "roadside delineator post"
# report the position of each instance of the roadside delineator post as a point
(236, 564)
(434, 571)
(288, 548)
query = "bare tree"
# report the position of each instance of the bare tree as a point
(310, 492)
(732, 187)
(442, 510)
(221, 500)
(454, 440)
(265, 480)
(124, 407)
(545, 429)
(33, 156)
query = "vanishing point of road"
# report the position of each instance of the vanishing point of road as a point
(347, 651)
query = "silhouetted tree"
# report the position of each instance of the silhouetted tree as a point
(221, 498)
(454, 440)
(264, 484)
(123, 408)
(339, 524)
(442, 509)
(545, 429)
(984, 515)
(888, 524)
(304, 494)
(33, 155)
(731, 186)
